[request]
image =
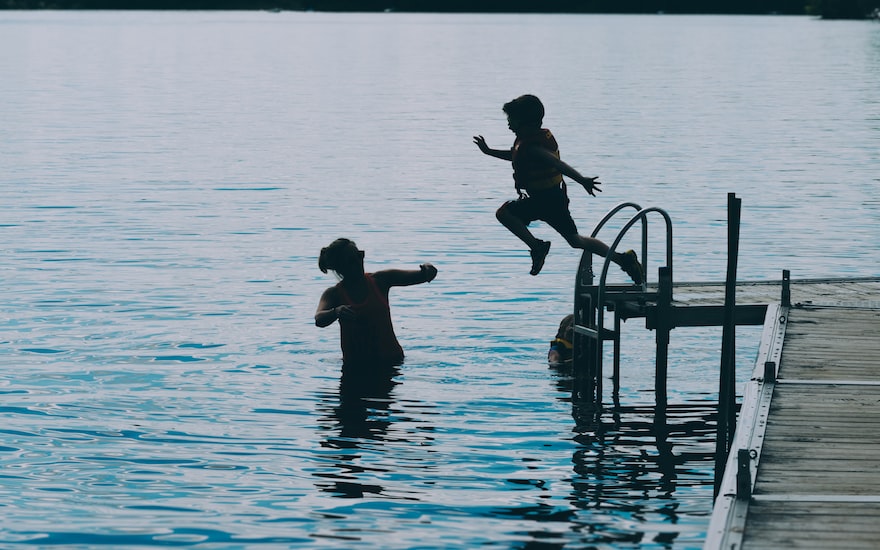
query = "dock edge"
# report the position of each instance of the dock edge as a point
(727, 523)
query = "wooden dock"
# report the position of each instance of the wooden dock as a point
(804, 467)
(855, 292)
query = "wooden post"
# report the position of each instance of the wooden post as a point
(615, 376)
(743, 475)
(769, 372)
(786, 288)
(584, 352)
(727, 384)
(665, 323)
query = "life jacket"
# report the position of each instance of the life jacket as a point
(369, 339)
(532, 175)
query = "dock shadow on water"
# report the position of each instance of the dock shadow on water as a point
(642, 473)
(623, 476)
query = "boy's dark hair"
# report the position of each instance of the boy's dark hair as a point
(526, 108)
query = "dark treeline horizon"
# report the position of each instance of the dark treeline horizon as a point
(832, 9)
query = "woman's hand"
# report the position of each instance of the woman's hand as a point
(345, 313)
(429, 271)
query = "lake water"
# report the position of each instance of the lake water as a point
(168, 180)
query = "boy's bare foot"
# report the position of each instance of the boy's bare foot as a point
(538, 255)
(632, 267)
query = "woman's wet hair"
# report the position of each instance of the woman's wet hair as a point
(329, 258)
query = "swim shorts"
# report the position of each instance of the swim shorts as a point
(549, 205)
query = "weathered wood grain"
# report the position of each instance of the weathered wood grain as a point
(818, 481)
(852, 293)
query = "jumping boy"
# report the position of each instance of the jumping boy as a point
(537, 174)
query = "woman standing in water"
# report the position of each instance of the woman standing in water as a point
(360, 303)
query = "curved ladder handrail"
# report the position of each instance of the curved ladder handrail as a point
(615, 210)
(587, 256)
(641, 215)
(584, 278)
(611, 214)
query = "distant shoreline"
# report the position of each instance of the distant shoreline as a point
(826, 9)
(785, 7)
(839, 9)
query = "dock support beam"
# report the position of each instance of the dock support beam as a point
(786, 288)
(743, 474)
(727, 385)
(665, 323)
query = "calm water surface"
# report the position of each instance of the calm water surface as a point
(168, 180)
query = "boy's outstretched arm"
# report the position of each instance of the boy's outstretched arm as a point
(590, 184)
(503, 154)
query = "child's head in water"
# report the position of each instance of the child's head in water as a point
(561, 347)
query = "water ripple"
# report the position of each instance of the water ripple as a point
(163, 211)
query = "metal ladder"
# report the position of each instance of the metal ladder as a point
(592, 300)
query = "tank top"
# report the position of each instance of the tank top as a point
(370, 338)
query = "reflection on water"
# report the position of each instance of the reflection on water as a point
(636, 474)
(166, 203)
(356, 420)
(364, 403)
(358, 412)
(640, 461)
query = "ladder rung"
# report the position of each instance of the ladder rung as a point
(586, 331)
(607, 334)
(624, 295)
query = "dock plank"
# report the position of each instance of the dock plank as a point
(816, 525)
(821, 447)
(851, 293)
(817, 467)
